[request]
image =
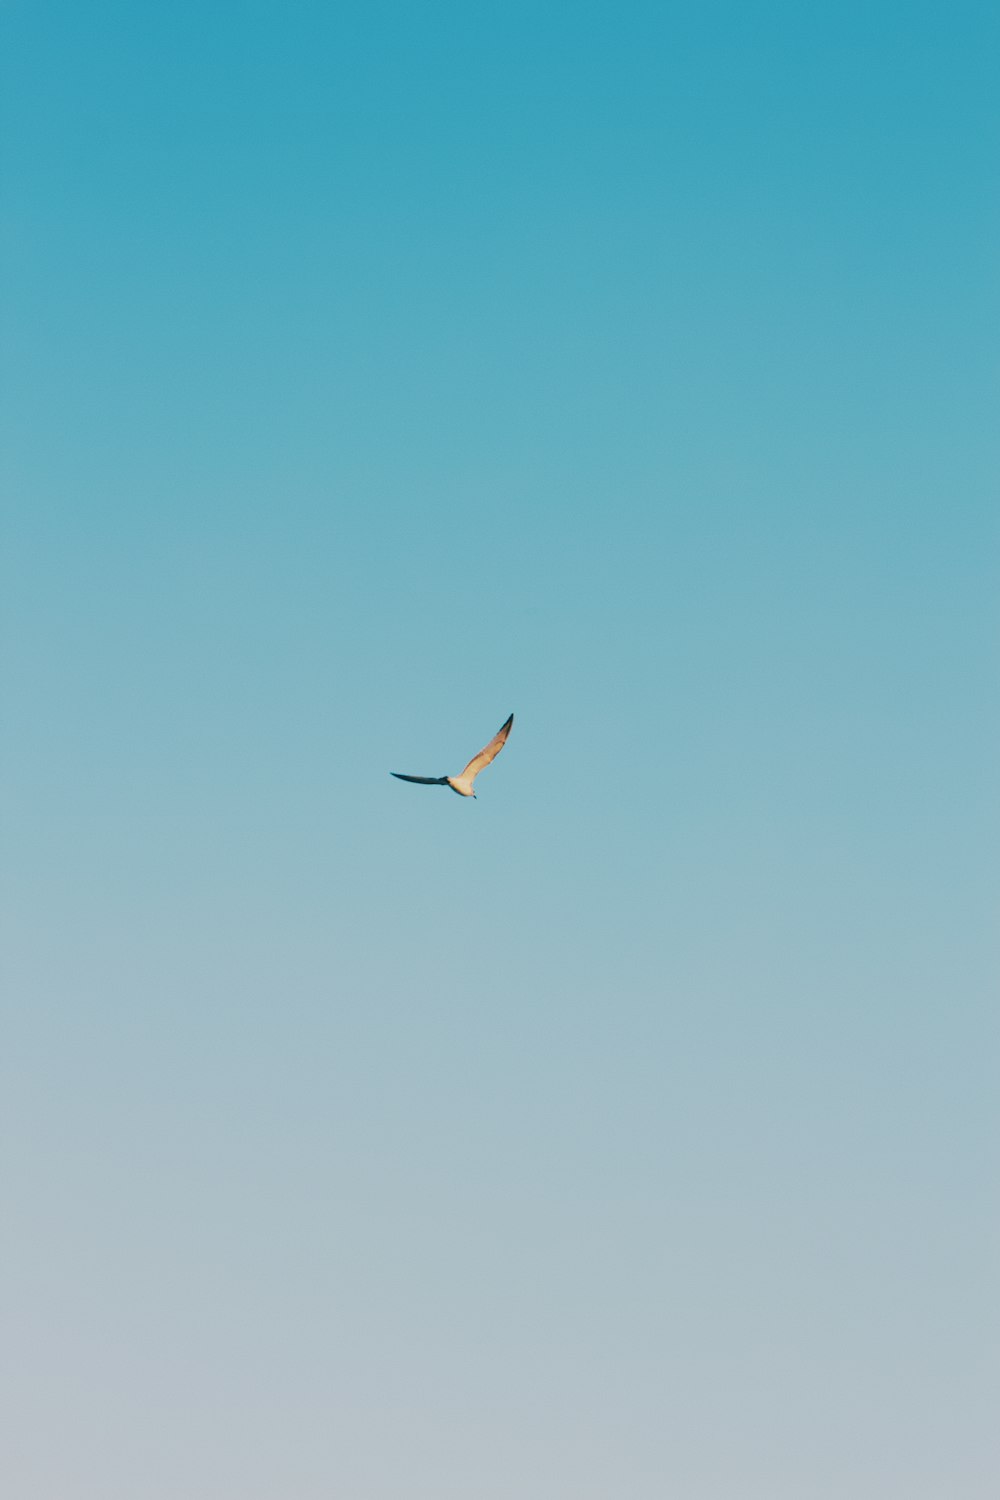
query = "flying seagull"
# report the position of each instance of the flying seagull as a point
(463, 784)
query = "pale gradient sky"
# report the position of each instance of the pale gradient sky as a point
(371, 371)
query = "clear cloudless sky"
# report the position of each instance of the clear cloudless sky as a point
(374, 370)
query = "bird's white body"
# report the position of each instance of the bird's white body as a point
(462, 784)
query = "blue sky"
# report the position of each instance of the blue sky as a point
(371, 372)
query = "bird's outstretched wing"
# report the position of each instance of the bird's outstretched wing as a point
(496, 744)
(424, 780)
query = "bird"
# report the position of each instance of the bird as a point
(463, 784)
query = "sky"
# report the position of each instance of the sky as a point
(371, 372)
